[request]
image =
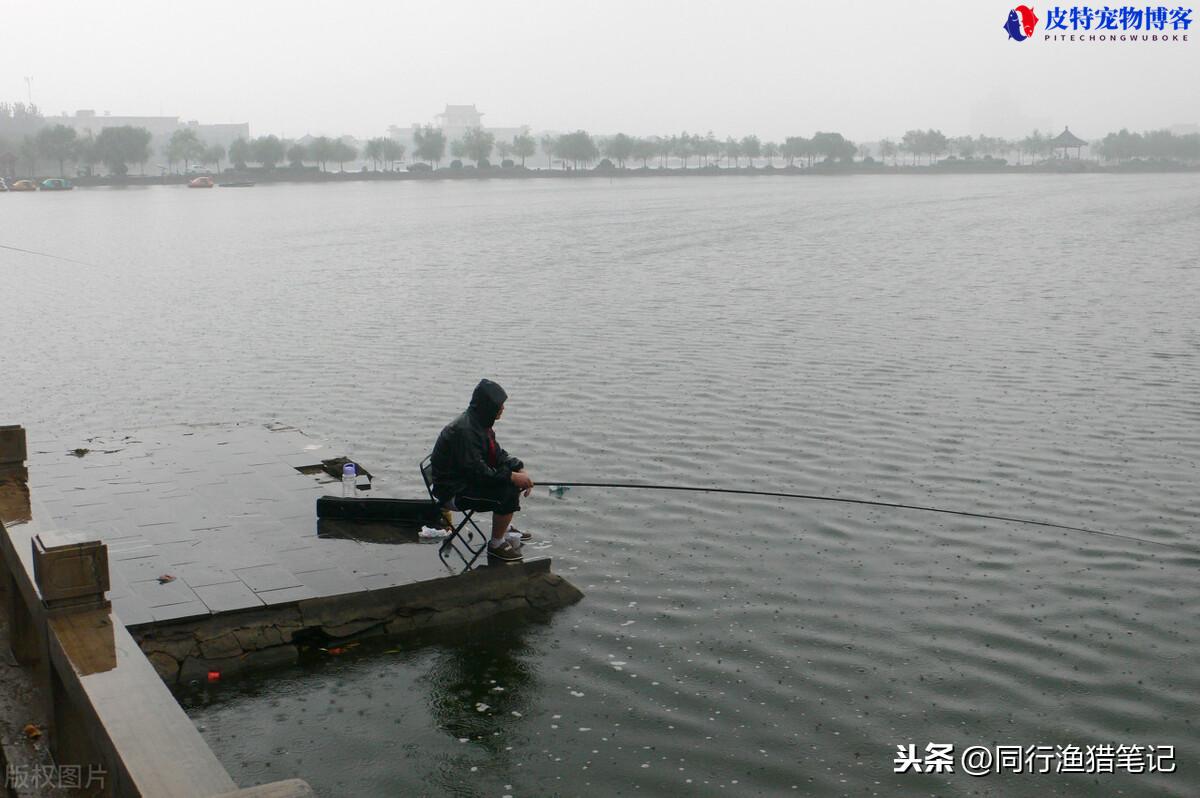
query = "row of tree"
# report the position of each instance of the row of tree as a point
(271, 151)
(18, 120)
(115, 147)
(933, 144)
(120, 147)
(581, 148)
(477, 144)
(1154, 144)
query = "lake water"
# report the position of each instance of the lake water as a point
(1015, 345)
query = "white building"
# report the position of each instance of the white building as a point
(161, 127)
(455, 121)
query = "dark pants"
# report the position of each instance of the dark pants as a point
(492, 497)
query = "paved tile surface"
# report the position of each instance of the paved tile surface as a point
(223, 509)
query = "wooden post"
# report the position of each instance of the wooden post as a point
(13, 452)
(70, 576)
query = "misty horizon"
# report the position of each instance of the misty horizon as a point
(771, 69)
(255, 132)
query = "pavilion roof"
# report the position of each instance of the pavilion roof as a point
(1068, 139)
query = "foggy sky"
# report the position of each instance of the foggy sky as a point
(865, 69)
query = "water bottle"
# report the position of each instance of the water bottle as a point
(348, 477)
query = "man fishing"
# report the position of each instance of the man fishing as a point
(472, 472)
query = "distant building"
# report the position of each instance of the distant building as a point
(224, 134)
(1067, 141)
(161, 127)
(455, 121)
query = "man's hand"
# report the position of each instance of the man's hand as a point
(522, 481)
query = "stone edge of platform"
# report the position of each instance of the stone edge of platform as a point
(244, 640)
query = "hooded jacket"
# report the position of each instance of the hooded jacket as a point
(460, 455)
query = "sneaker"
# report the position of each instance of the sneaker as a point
(524, 535)
(504, 552)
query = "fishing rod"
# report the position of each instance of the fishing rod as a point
(46, 255)
(841, 500)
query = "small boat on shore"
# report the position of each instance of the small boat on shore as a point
(238, 184)
(57, 184)
(201, 182)
(23, 185)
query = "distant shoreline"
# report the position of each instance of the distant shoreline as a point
(312, 175)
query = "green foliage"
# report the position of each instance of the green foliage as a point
(392, 151)
(523, 146)
(18, 120)
(794, 148)
(681, 147)
(117, 147)
(477, 144)
(732, 149)
(619, 148)
(296, 154)
(577, 147)
(373, 151)
(341, 152)
(85, 152)
(930, 143)
(28, 153)
(239, 153)
(214, 155)
(963, 146)
(644, 149)
(429, 144)
(751, 148)
(321, 150)
(267, 150)
(58, 144)
(1036, 145)
(549, 146)
(1154, 144)
(834, 147)
(184, 145)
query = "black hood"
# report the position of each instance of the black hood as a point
(486, 401)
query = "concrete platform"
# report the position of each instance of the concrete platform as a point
(223, 509)
(229, 512)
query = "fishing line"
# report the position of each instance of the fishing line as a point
(840, 500)
(47, 255)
